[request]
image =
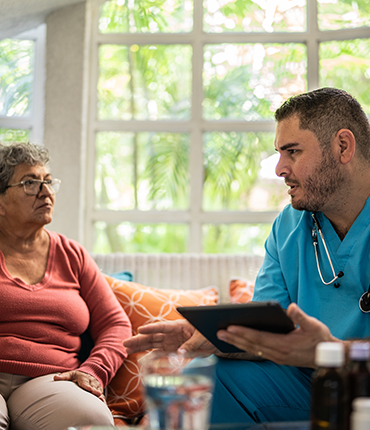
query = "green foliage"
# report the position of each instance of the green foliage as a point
(341, 14)
(142, 171)
(166, 169)
(114, 171)
(16, 76)
(235, 238)
(12, 135)
(144, 82)
(249, 81)
(346, 65)
(127, 237)
(231, 165)
(143, 16)
(254, 16)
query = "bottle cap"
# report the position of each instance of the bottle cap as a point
(361, 404)
(359, 351)
(329, 354)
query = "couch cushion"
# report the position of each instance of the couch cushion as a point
(240, 290)
(145, 305)
(125, 275)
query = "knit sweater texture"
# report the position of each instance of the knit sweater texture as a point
(41, 324)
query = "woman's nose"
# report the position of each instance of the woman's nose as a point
(45, 189)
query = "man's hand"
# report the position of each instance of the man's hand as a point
(296, 348)
(83, 380)
(169, 336)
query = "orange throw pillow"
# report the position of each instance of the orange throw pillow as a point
(240, 290)
(145, 305)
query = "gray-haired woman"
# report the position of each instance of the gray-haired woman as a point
(51, 292)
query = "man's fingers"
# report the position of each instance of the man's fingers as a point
(143, 342)
(159, 327)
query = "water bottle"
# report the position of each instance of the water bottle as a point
(329, 390)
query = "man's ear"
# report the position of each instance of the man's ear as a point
(344, 145)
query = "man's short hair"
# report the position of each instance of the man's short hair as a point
(324, 112)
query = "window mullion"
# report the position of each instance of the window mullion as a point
(196, 137)
(312, 46)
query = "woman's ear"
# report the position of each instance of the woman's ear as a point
(2, 207)
(345, 145)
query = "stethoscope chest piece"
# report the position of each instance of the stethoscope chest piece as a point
(364, 302)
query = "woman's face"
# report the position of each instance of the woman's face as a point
(23, 209)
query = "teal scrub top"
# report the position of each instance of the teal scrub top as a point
(289, 272)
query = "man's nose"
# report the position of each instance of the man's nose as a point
(282, 168)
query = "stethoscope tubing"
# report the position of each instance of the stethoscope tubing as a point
(364, 302)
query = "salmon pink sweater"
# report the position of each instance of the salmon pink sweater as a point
(40, 324)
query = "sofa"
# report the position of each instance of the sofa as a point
(150, 287)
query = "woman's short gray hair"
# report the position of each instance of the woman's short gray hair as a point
(13, 154)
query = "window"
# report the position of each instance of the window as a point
(180, 121)
(22, 87)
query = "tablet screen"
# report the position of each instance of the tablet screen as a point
(265, 316)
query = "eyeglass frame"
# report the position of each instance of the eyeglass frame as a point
(47, 182)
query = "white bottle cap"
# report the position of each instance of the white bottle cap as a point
(330, 354)
(360, 417)
(359, 351)
(361, 404)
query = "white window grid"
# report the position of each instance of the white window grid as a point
(196, 126)
(34, 122)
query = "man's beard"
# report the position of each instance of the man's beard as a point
(320, 186)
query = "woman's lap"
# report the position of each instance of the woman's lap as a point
(247, 391)
(43, 404)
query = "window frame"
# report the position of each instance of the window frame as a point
(34, 122)
(196, 126)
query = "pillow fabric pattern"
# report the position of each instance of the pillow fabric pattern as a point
(145, 305)
(240, 290)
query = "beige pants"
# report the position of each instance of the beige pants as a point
(44, 404)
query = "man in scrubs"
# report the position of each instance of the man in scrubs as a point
(323, 139)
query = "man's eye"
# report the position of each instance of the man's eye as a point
(48, 181)
(292, 151)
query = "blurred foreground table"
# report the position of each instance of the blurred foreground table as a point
(301, 425)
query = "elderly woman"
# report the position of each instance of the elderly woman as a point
(51, 292)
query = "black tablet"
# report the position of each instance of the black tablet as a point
(265, 316)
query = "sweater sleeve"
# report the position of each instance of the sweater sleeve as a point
(109, 324)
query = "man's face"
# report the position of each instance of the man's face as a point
(313, 177)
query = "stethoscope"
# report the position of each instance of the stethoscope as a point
(364, 302)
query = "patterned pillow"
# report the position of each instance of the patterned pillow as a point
(240, 290)
(145, 305)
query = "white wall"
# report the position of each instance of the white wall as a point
(63, 113)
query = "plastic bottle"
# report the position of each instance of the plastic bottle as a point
(360, 417)
(358, 371)
(329, 391)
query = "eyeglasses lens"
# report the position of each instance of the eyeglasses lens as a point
(33, 188)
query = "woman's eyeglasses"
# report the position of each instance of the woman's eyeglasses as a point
(33, 186)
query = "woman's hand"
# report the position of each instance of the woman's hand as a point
(296, 348)
(84, 380)
(170, 336)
